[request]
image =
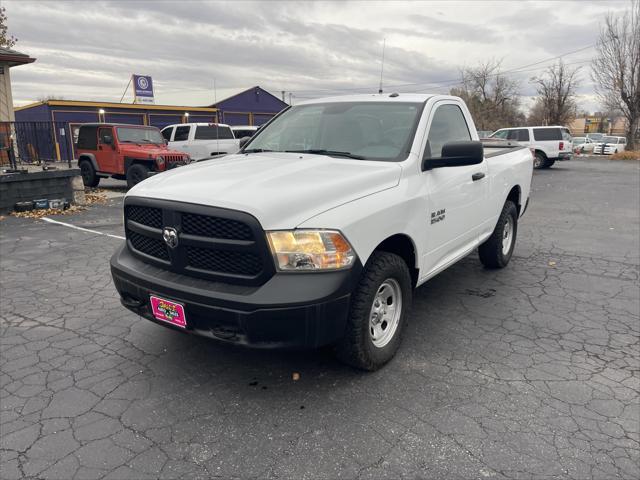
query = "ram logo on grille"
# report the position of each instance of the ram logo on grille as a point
(170, 236)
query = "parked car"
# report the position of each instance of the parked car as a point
(610, 145)
(201, 140)
(318, 230)
(595, 137)
(582, 145)
(243, 131)
(123, 151)
(550, 144)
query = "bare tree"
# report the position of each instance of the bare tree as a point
(537, 114)
(616, 67)
(6, 40)
(556, 89)
(491, 97)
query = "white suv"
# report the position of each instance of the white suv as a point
(610, 145)
(201, 140)
(548, 143)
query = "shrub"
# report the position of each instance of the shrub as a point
(626, 155)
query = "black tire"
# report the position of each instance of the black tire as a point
(491, 252)
(136, 173)
(89, 176)
(539, 160)
(357, 348)
(548, 163)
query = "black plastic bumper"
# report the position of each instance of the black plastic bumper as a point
(289, 310)
(565, 156)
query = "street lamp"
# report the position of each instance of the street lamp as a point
(186, 117)
(101, 115)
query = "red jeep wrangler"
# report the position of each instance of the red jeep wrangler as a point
(124, 152)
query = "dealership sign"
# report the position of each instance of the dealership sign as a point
(142, 88)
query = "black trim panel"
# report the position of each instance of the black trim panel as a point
(302, 310)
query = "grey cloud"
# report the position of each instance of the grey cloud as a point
(438, 28)
(302, 47)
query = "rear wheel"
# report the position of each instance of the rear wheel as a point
(496, 251)
(379, 309)
(136, 173)
(89, 175)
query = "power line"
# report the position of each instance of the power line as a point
(437, 82)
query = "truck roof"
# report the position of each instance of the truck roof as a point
(378, 97)
(202, 124)
(110, 124)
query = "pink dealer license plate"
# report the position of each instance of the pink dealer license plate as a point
(168, 311)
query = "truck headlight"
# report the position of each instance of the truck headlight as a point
(160, 161)
(303, 250)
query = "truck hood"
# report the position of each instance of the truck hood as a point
(281, 190)
(144, 151)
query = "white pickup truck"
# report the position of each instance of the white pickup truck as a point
(201, 140)
(319, 229)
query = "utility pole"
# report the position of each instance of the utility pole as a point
(290, 95)
(283, 95)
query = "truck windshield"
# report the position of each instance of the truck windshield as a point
(139, 135)
(360, 130)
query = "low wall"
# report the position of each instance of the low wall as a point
(24, 187)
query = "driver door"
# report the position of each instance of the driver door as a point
(456, 195)
(107, 156)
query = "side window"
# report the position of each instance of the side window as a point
(166, 133)
(448, 125)
(500, 134)
(523, 135)
(545, 134)
(623, 141)
(182, 134)
(103, 133)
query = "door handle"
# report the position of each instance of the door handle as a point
(477, 176)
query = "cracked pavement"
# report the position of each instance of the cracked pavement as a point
(531, 372)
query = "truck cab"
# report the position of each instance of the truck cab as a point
(122, 151)
(201, 140)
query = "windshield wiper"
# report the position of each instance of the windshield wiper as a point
(331, 153)
(256, 150)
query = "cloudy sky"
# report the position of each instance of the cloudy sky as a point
(87, 50)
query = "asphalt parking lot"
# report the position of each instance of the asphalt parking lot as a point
(528, 372)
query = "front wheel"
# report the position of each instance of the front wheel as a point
(496, 251)
(379, 308)
(89, 175)
(136, 173)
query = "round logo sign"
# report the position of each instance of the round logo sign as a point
(143, 83)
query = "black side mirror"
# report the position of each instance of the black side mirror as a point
(244, 141)
(166, 142)
(456, 154)
(107, 140)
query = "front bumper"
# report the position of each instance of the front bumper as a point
(290, 310)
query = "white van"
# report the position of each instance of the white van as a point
(201, 140)
(610, 145)
(549, 143)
